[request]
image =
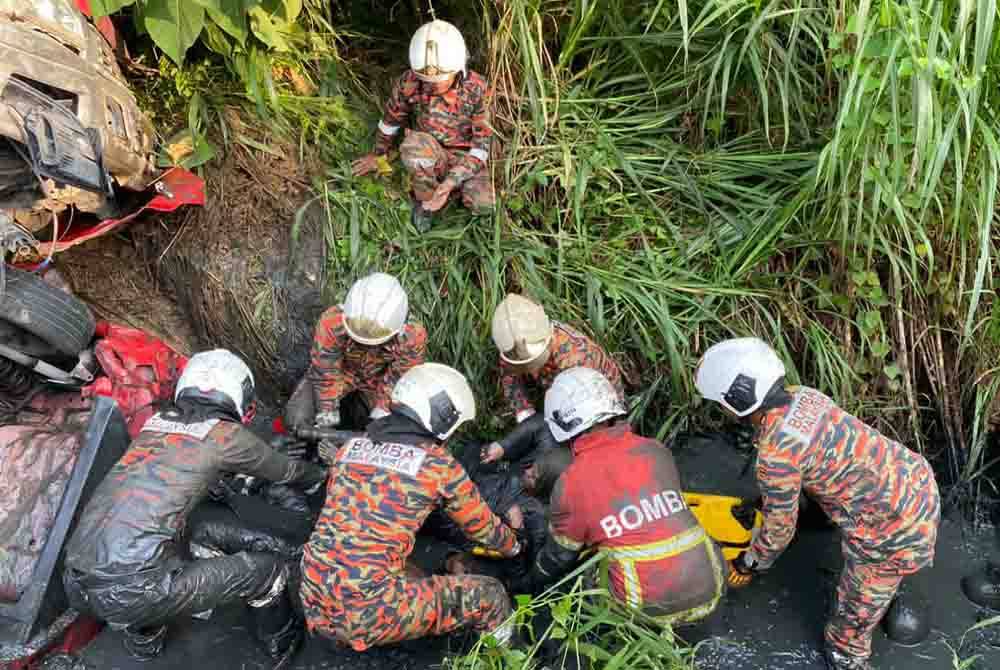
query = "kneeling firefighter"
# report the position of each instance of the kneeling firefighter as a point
(533, 351)
(621, 494)
(381, 489)
(125, 562)
(882, 495)
(359, 352)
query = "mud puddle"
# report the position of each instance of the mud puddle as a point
(774, 624)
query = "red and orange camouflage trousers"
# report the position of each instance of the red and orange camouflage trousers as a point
(864, 594)
(406, 609)
(428, 164)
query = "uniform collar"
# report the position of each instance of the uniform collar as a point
(604, 437)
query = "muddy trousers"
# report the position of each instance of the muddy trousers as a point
(864, 594)
(428, 164)
(177, 589)
(407, 609)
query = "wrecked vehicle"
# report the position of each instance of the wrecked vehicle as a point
(71, 133)
(72, 140)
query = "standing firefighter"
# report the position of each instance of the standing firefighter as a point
(124, 561)
(622, 494)
(381, 489)
(882, 495)
(359, 352)
(533, 350)
(449, 144)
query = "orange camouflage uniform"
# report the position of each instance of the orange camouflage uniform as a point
(340, 365)
(882, 496)
(450, 138)
(570, 348)
(354, 589)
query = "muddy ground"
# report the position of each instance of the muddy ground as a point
(774, 624)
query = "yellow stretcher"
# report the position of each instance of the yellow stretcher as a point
(727, 520)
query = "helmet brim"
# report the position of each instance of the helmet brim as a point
(370, 341)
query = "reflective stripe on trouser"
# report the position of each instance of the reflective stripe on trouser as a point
(864, 594)
(691, 539)
(407, 609)
(428, 163)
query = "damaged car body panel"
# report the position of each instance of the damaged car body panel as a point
(66, 113)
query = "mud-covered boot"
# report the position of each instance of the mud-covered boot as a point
(145, 644)
(983, 588)
(838, 660)
(907, 621)
(276, 628)
(421, 219)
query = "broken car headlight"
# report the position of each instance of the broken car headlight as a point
(60, 14)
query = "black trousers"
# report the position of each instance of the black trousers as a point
(157, 595)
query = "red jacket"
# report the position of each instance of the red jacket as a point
(622, 495)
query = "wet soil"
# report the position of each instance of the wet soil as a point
(116, 276)
(774, 624)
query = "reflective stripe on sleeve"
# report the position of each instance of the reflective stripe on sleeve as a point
(386, 129)
(481, 154)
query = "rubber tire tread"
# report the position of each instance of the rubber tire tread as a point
(59, 318)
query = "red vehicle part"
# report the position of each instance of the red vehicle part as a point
(79, 634)
(103, 24)
(176, 187)
(141, 372)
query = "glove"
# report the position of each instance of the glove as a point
(740, 574)
(327, 451)
(327, 419)
(290, 447)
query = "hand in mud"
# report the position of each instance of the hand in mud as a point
(491, 452)
(515, 517)
(440, 196)
(365, 165)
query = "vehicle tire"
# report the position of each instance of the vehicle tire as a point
(15, 174)
(55, 316)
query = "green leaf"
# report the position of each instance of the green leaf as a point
(840, 61)
(905, 68)
(268, 29)
(174, 25)
(230, 15)
(880, 349)
(99, 8)
(558, 633)
(871, 321)
(892, 371)
(881, 117)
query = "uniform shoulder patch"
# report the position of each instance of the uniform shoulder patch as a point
(158, 424)
(401, 458)
(806, 414)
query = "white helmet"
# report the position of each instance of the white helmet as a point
(578, 399)
(522, 331)
(437, 51)
(738, 374)
(218, 377)
(375, 309)
(436, 396)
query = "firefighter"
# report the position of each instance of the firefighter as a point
(360, 350)
(533, 350)
(448, 147)
(125, 563)
(882, 495)
(381, 489)
(621, 494)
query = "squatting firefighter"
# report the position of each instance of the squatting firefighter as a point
(449, 145)
(359, 352)
(533, 350)
(621, 494)
(381, 489)
(882, 495)
(124, 561)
